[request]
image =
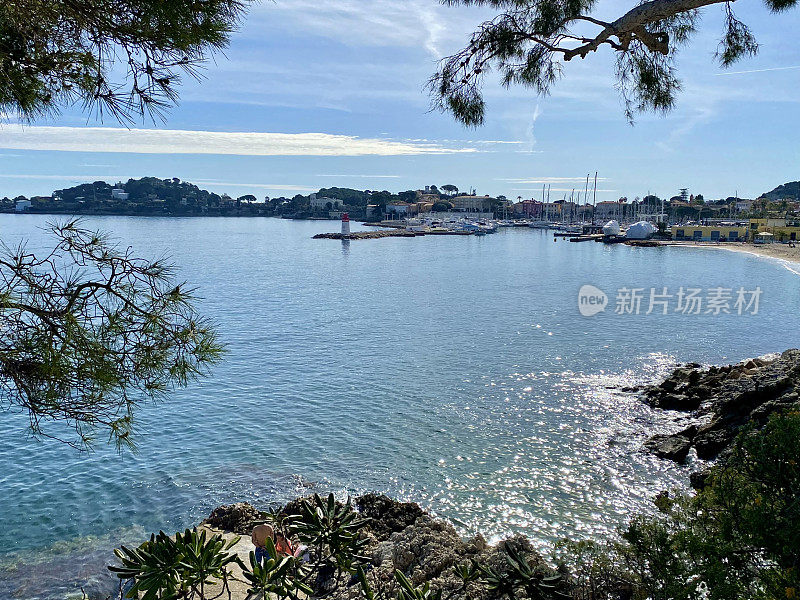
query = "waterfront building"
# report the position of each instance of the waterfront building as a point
(22, 205)
(471, 203)
(401, 209)
(321, 202)
(529, 208)
(783, 230)
(710, 233)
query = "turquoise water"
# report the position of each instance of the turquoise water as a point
(453, 371)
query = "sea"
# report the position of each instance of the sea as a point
(483, 377)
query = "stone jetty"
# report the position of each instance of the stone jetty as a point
(368, 235)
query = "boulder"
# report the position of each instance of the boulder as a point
(239, 518)
(672, 447)
(729, 397)
(711, 442)
(387, 516)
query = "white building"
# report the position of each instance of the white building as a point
(22, 205)
(119, 194)
(321, 202)
(472, 203)
(399, 208)
(744, 205)
(608, 210)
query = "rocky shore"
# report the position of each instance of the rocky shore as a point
(722, 400)
(400, 536)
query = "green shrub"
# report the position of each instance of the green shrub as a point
(280, 576)
(164, 568)
(332, 531)
(738, 538)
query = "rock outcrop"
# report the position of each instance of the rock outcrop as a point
(723, 399)
(240, 518)
(400, 535)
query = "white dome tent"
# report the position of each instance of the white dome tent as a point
(641, 230)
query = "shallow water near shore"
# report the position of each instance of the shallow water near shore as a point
(453, 371)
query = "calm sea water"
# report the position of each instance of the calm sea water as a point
(453, 371)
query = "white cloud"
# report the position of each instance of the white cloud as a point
(360, 176)
(78, 178)
(263, 186)
(166, 141)
(559, 190)
(411, 23)
(551, 180)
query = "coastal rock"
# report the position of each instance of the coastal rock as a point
(387, 516)
(726, 398)
(402, 536)
(239, 518)
(698, 479)
(710, 443)
(672, 447)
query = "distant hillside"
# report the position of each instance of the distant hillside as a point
(171, 191)
(787, 191)
(151, 196)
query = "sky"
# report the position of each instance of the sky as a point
(331, 93)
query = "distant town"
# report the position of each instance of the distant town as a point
(778, 210)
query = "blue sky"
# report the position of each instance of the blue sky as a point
(330, 93)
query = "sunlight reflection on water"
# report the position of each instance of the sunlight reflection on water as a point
(455, 372)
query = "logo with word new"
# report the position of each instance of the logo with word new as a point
(715, 301)
(591, 300)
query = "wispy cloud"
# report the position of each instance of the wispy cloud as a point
(552, 189)
(757, 71)
(411, 23)
(551, 180)
(166, 141)
(360, 176)
(529, 129)
(261, 186)
(76, 178)
(109, 178)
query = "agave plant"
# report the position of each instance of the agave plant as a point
(499, 583)
(204, 560)
(280, 576)
(366, 588)
(537, 584)
(165, 569)
(153, 568)
(407, 590)
(467, 572)
(332, 530)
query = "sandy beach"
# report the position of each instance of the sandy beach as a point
(777, 251)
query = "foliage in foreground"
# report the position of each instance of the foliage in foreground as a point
(89, 331)
(165, 568)
(124, 57)
(738, 538)
(529, 42)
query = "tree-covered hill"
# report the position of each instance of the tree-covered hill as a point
(787, 191)
(173, 197)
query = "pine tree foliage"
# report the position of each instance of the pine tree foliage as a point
(120, 57)
(530, 40)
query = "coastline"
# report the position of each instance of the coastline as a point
(780, 252)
